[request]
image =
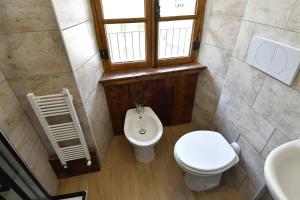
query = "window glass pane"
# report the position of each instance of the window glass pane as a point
(126, 42)
(177, 7)
(175, 38)
(114, 9)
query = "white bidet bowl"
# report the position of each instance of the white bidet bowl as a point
(143, 132)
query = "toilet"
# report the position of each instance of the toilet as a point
(204, 156)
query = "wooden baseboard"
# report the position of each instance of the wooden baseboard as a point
(75, 167)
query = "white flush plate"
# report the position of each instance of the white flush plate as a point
(274, 58)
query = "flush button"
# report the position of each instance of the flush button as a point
(276, 59)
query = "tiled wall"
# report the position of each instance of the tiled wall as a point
(33, 58)
(75, 22)
(254, 109)
(21, 134)
(221, 27)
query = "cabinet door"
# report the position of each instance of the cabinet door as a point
(118, 103)
(184, 94)
(170, 96)
(157, 94)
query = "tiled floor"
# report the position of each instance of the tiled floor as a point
(123, 178)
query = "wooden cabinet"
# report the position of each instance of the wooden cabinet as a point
(169, 93)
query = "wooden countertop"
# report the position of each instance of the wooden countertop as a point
(153, 72)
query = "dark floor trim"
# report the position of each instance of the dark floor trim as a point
(71, 195)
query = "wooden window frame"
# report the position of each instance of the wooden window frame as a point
(151, 35)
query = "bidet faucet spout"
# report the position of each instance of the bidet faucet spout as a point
(139, 108)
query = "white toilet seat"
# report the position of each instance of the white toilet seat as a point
(203, 173)
(204, 153)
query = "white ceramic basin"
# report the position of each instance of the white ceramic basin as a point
(282, 171)
(143, 131)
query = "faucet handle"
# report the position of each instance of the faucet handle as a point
(137, 102)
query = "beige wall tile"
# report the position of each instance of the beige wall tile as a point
(89, 137)
(244, 119)
(244, 81)
(88, 76)
(33, 53)
(50, 180)
(39, 165)
(82, 116)
(29, 15)
(228, 7)
(105, 138)
(294, 21)
(200, 120)
(44, 139)
(85, 125)
(80, 43)
(71, 12)
(243, 40)
(280, 105)
(43, 85)
(224, 124)
(221, 31)
(216, 60)
(96, 105)
(276, 139)
(252, 162)
(23, 137)
(206, 100)
(222, 24)
(2, 78)
(35, 123)
(33, 59)
(79, 39)
(280, 35)
(25, 141)
(237, 175)
(10, 111)
(270, 12)
(253, 104)
(98, 113)
(247, 189)
(296, 83)
(210, 83)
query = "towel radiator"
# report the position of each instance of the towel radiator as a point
(57, 105)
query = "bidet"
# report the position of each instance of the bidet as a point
(143, 132)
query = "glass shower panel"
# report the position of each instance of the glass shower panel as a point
(15, 182)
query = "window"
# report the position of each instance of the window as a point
(147, 33)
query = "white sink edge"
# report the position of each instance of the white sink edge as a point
(270, 174)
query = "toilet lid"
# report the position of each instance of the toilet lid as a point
(204, 150)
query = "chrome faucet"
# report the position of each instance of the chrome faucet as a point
(139, 109)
